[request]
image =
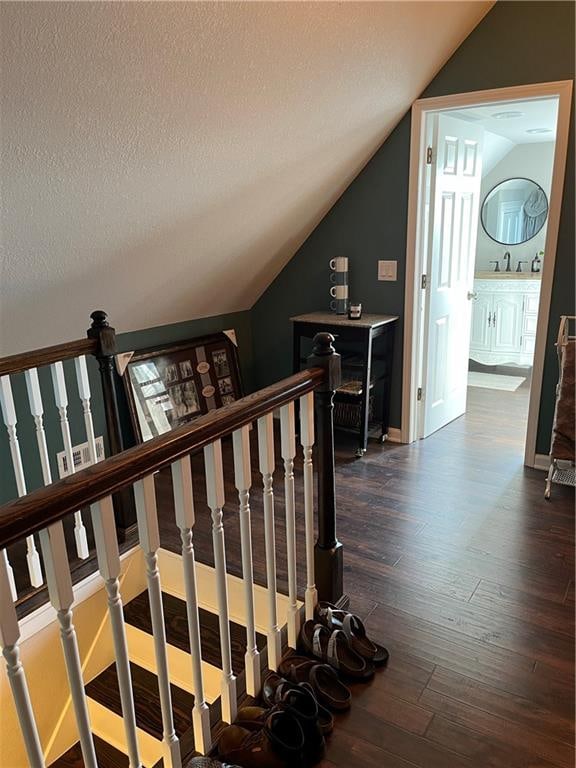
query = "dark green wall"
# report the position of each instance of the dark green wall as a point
(516, 43)
(149, 337)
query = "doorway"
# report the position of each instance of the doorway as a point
(485, 192)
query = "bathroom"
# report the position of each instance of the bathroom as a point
(518, 156)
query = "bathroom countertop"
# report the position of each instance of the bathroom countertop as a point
(508, 276)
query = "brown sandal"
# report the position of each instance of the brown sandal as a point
(333, 618)
(328, 689)
(333, 648)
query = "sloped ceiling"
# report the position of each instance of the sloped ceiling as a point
(164, 160)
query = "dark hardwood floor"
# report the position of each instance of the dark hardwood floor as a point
(458, 564)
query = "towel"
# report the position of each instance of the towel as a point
(563, 446)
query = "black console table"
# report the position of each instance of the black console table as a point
(362, 402)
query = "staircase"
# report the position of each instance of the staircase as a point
(151, 683)
(103, 694)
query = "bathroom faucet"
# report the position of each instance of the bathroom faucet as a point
(497, 267)
(507, 259)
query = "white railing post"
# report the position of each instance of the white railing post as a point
(215, 496)
(61, 400)
(266, 465)
(109, 566)
(85, 395)
(9, 635)
(9, 416)
(59, 584)
(307, 441)
(288, 449)
(184, 508)
(147, 516)
(243, 481)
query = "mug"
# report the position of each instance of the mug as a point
(339, 278)
(339, 291)
(340, 306)
(339, 264)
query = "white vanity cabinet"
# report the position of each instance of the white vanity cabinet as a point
(504, 318)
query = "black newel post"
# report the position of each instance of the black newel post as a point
(124, 510)
(328, 552)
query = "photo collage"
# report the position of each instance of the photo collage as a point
(170, 389)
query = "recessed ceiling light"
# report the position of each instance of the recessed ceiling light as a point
(539, 130)
(506, 115)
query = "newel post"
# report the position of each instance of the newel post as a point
(101, 330)
(328, 551)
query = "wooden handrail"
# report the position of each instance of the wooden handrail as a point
(38, 357)
(39, 509)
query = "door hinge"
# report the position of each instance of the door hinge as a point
(429, 156)
(424, 282)
(419, 394)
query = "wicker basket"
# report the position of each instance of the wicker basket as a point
(347, 413)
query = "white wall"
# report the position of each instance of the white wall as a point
(164, 160)
(533, 161)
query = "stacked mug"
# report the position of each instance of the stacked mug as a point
(339, 289)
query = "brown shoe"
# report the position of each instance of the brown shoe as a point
(278, 743)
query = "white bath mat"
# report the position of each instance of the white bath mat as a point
(494, 381)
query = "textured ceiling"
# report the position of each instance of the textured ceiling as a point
(164, 160)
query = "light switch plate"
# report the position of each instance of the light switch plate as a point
(387, 270)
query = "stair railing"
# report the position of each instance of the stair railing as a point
(101, 345)
(41, 513)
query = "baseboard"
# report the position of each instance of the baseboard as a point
(394, 435)
(542, 461)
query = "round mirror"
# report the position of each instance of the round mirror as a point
(514, 211)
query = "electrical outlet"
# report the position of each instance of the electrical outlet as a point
(387, 270)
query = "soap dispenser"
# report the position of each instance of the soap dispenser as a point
(537, 262)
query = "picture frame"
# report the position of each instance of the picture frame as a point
(168, 386)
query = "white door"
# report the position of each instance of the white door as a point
(454, 202)
(481, 322)
(507, 323)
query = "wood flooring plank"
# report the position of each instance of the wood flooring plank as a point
(520, 710)
(503, 734)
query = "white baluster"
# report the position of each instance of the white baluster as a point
(9, 416)
(243, 481)
(61, 399)
(215, 495)
(184, 508)
(266, 464)
(9, 635)
(307, 441)
(145, 496)
(59, 584)
(109, 565)
(288, 449)
(85, 395)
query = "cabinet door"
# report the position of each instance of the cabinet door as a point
(507, 323)
(481, 327)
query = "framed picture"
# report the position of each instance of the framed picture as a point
(170, 386)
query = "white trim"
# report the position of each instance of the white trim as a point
(44, 615)
(562, 90)
(541, 461)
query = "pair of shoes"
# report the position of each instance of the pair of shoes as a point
(208, 762)
(326, 686)
(277, 691)
(332, 647)
(263, 739)
(331, 617)
(288, 731)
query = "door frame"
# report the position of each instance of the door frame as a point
(415, 252)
